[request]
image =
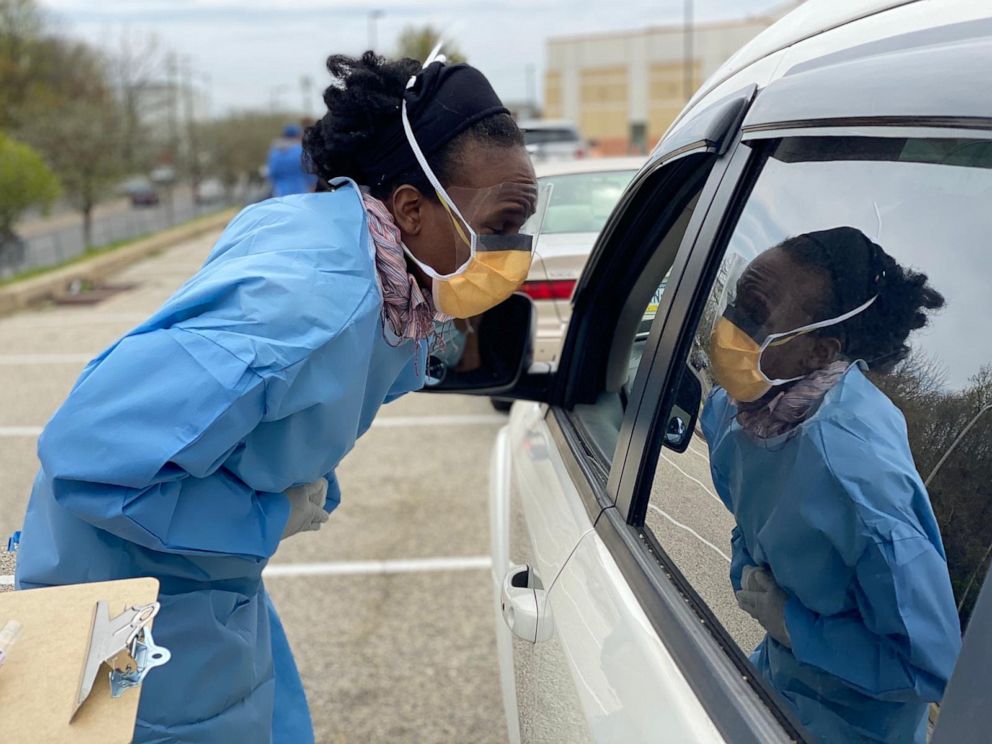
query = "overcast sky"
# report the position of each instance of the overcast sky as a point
(257, 51)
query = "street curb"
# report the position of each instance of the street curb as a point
(51, 285)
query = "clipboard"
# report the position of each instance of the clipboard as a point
(41, 677)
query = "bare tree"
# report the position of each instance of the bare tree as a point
(81, 140)
(136, 67)
(237, 145)
(417, 42)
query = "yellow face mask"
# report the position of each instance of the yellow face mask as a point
(495, 271)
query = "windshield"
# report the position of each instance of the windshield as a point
(581, 202)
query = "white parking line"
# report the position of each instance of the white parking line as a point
(381, 568)
(81, 317)
(384, 422)
(699, 455)
(689, 529)
(11, 432)
(404, 422)
(21, 359)
(702, 485)
(364, 568)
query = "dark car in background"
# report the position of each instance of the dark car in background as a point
(142, 192)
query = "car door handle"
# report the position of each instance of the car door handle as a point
(524, 605)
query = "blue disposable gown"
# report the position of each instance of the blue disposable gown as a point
(836, 510)
(172, 452)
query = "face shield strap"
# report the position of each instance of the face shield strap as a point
(803, 330)
(422, 161)
(457, 224)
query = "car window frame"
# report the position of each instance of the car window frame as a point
(587, 465)
(674, 332)
(706, 139)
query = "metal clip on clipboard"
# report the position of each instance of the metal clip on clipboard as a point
(126, 644)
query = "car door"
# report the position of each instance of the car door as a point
(551, 466)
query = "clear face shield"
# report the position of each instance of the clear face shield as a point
(506, 217)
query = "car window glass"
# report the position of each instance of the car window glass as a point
(603, 418)
(832, 507)
(581, 202)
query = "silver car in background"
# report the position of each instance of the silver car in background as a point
(584, 194)
(548, 139)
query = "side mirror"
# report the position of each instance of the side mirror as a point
(685, 410)
(496, 361)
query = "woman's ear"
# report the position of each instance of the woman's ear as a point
(407, 205)
(824, 351)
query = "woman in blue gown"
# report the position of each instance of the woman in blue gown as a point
(836, 551)
(191, 447)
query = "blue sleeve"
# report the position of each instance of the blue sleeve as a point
(333, 492)
(904, 641)
(129, 449)
(740, 557)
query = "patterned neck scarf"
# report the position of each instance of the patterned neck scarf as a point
(410, 312)
(790, 407)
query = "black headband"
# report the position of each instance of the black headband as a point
(444, 101)
(852, 247)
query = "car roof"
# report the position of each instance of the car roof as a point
(845, 59)
(809, 19)
(587, 165)
(546, 124)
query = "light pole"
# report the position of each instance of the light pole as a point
(373, 18)
(306, 88)
(275, 97)
(687, 33)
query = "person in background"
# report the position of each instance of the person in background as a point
(193, 446)
(285, 164)
(836, 551)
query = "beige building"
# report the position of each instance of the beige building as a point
(623, 89)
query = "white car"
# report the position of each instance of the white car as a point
(616, 618)
(584, 194)
(209, 191)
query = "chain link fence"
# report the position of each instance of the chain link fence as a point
(57, 246)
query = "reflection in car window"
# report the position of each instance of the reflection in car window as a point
(832, 509)
(582, 202)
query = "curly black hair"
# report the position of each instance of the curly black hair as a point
(364, 97)
(878, 335)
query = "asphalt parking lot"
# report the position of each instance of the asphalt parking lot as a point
(388, 607)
